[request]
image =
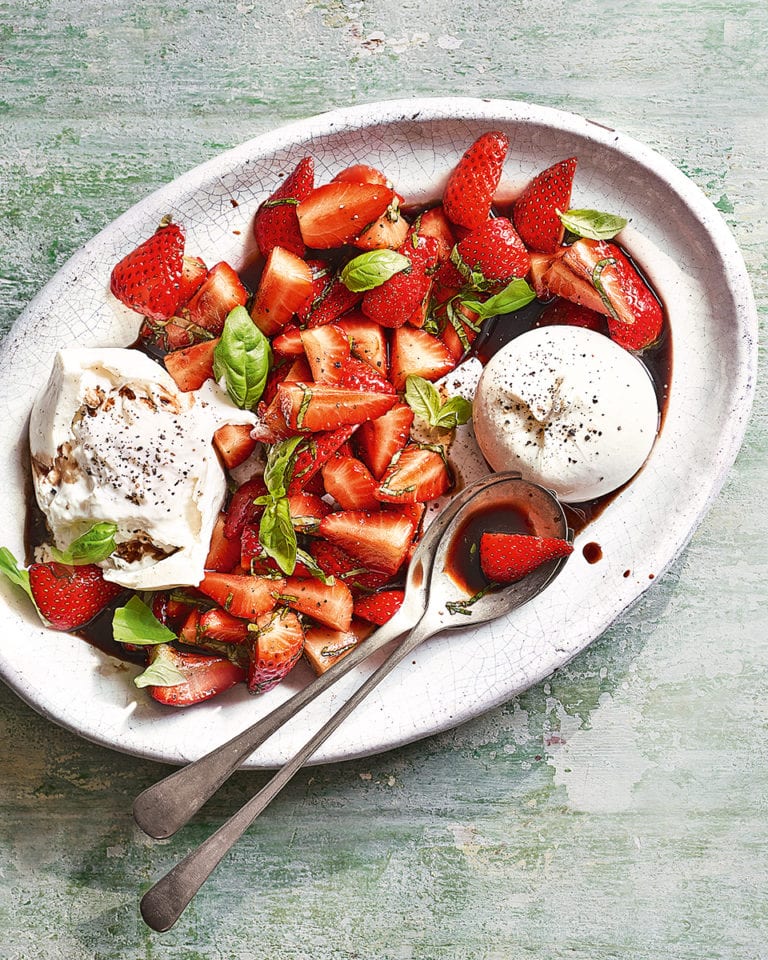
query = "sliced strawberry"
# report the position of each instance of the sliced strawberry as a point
(324, 646)
(505, 557)
(312, 406)
(284, 289)
(379, 607)
(234, 443)
(335, 300)
(242, 509)
(69, 597)
(149, 279)
(288, 342)
(328, 603)
(276, 223)
(223, 553)
(535, 210)
(276, 650)
(367, 340)
(492, 255)
(327, 350)
(217, 624)
(416, 475)
(335, 562)
(379, 540)
(559, 280)
(337, 212)
(191, 366)
(350, 483)
(634, 314)
(193, 273)
(418, 353)
(472, 183)
(379, 440)
(386, 233)
(313, 452)
(393, 302)
(540, 264)
(240, 594)
(220, 293)
(307, 510)
(565, 313)
(434, 223)
(204, 676)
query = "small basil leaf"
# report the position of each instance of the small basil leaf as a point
(16, 574)
(453, 413)
(162, 672)
(514, 296)
(135, 623)
(422, 397)
(371, 269)
(242, 359)
(277, 536)
(593, 224)
(93, 546)
(279, 468)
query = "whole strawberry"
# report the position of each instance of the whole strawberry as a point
(535, 211)
(69, 597)
(492, 255)
(469, 192)
(150, 279)
(505, 557)
(276, 223)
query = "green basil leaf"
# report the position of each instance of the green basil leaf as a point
(162, 672)
(277, 536)
(242, 359)
(279, 468)
(371, 269)
(453, 413)
(514, 296)
(93, 546)
(135, 623)
(593, 224)
(422, 397)
(16, 574)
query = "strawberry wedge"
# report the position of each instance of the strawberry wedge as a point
(314, 406)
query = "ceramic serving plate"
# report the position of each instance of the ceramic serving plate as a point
(676, 234)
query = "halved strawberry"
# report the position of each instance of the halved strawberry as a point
(350, 483)
(435, 223)
(276, 649)
(505, 557)
(69, 597)
(535, 210)
(328, 603)
(492, 255)
(362, 173)
(540, 264)
(335, 300)
(380, 439)
(472, 183)
(379, 607)
(257, 561)
(288, 342)
(217, 624)
(220, 293)
(242, 509)
(367, 340)
(337, 212)
(388, 232)
(307, 510)
(418, 353)
(313, 452)
(193, 273)
(566, 313)
(327, 350)
(313, 406)
(149, 278)
(191, 366)
(324, 646)
(284, 289)
(223, 553)
(559, 280)
(335, 562)
(234, 443)
(634, 314)
(204, 676)
(415, 475)
(379, 539)
(276, 223)
(240, 594)
(393, 302)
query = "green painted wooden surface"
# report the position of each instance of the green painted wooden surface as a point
(618, 810)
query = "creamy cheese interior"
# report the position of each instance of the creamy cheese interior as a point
(113, 439)
(569, 409)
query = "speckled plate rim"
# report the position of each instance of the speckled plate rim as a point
(451, 679)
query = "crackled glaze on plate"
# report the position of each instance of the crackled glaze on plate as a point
(450, 679)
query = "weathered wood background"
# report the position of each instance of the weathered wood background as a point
(616, 811)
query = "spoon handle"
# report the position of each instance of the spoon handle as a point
(167, 805)
(163, 904)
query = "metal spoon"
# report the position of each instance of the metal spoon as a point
(446, 608)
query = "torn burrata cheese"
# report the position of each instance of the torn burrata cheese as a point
(569, 409)
(113, 439)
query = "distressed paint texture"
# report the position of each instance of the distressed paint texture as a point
(617, 810)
